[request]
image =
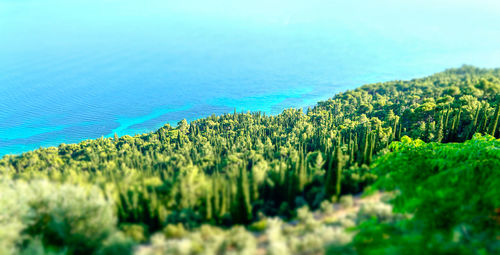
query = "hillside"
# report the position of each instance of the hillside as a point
(410, 139)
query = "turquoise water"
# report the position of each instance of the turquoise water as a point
(82, 69)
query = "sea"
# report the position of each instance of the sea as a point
(84, 69)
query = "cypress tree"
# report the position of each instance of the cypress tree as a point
(378, 137)
(255, 187)
(179, 139)
(365, 144)
(229, 195)
(447, 116)
(427, 132)
(224, 199)
(473, 126)
(456, 128)
(446, 123)
(302, 178)
(394, 127)
(290, 184)
(340, 162)
(244, 207)
(330, 177)
(398, 137)
(208, 204)
(485, 119)
(334, 175)
(451, 131)
(440, 134)
(494, 121)
(216, 192)
(351, 152)
(372, 147)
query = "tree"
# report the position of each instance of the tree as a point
(495, 119)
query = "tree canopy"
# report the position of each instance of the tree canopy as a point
(237, 168)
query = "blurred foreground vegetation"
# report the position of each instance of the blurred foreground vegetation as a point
(423, 153)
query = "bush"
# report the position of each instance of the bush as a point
(137, 232)
(258, 226)
(174, 231)
(238, 241)
(117, 243)
(450, 189)
(14, 212)
(346, 201)
(61, 216)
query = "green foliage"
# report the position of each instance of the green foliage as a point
(258, 226)
(117, 243)
(234, 168)
(450, 189)
(64, 217)
(174, 231)
(136, 232)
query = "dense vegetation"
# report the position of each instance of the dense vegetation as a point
(192, 184)
(452, 192)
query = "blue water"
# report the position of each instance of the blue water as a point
(81, 69)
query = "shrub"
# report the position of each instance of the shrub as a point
(117, 243)
(61, 216)
(452, 192)
(137, 232)
(174, 231)
(14, 210)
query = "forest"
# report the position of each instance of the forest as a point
(400, 167)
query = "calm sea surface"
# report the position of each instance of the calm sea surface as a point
(75, 70)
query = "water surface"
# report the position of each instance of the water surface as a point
(81, 69)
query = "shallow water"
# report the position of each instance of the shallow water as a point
(75, 70)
